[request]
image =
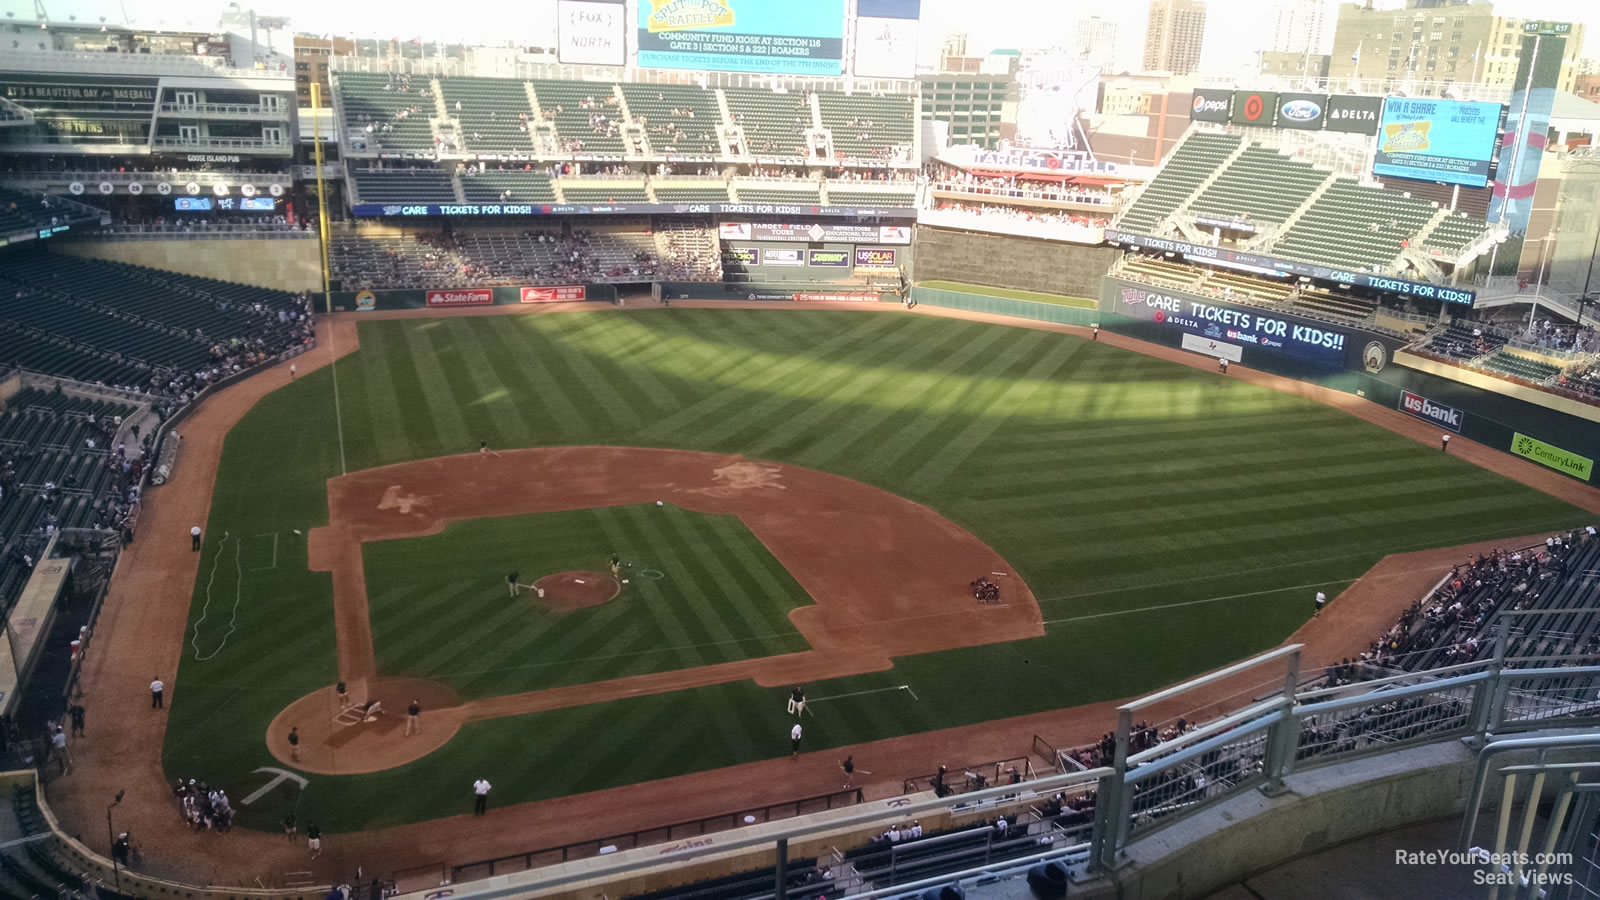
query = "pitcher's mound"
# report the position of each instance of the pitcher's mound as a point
(575, 590)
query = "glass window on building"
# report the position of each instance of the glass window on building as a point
(1455, 36)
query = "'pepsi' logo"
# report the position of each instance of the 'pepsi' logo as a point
(1202, 103)
(1301, 110)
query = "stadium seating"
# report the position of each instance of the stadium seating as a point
(1322, 304)
(848, 197)
(482, 258)
(774, 124)
(1455, 233)
(1154, 270)
(668, 192)
(508, 185)
(586, 114)
(866, 126)
(1261, 183)
(603, 192)
(680, 120)
(418, 184)
(1508, 363)
(1463, 341)
(1201, 154)
(493, 113)
(795, 191)
(391, 111)
(1356, 227)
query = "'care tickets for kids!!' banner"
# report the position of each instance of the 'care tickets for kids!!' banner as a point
(1222, 322)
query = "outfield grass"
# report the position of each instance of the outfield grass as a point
(722, 597)
(1032, 296)
(1170, 519)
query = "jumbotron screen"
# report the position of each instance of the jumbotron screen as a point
(795, 37)
(1437, 140)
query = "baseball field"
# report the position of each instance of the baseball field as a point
(1149, 521)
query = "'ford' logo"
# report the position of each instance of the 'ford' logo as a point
(1301, 110)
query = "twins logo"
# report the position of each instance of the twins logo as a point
(392, 210)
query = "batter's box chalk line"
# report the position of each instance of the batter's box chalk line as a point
(205, 608)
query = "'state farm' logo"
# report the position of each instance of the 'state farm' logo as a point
(689, 15)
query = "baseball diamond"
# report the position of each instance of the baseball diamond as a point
(422, 480)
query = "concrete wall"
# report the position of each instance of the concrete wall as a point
(1000, 261)
(286, 265)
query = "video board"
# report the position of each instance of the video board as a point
(1437, 140)
(799, 37)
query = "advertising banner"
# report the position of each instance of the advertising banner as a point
(1437, 140)
(877, 259)
(782, 258)
(1212, 320)
(476, 210)
(1254, 108)
(800, 37)
(1201, 253)
(828, 258)
(837, 298)
(1552, 456)
(1302, 111)
(1210, 106)
(591, 32)
(1353, 115)
(477, 297)
(886, 38)
(815, 232)
(1428, 411)
(741, 256)
(562, 294)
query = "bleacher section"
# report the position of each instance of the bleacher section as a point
(1201, 154)
(586, 114)
(1356, 227)
(1463, 342)
(493, 113)
(484, 258)
(419, 184)
(507, 185)
(680, 120)
(796, 191)
(847, 197)
(604, 192)
(1239, 287)
(774, 124)
(1455, 233)
(1508, 363)
(391, 111)
(865, 126)
(667, 192)
(1263, 184)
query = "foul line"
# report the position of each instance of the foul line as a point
(205, 609)
(1125, 612)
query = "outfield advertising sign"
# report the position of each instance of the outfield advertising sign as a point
(1353, 115)
(1302, 112)
(1254, 108)
(1437, 140)
(1422, 408)
(828, 258)
(782, 258)
(477, 297)
(1210, 106)
(1213, 321)
(562, 294)
(1552, 456)
(815, 232)
(877, 259)
(798, 37)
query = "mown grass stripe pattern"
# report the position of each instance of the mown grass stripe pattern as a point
(1171, 519)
